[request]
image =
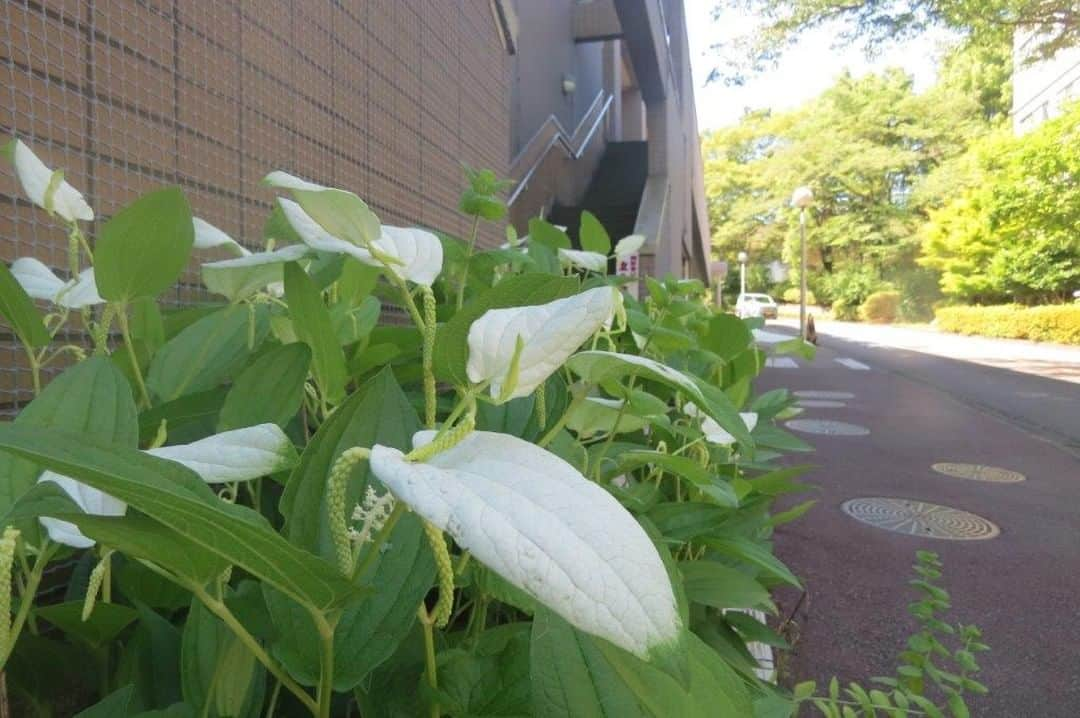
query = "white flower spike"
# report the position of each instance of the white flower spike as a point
(41, 283)
(36, 178)
(239, 455)
(550, 333)
(536, 521)
(714, 433)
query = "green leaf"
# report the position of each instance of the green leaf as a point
(712, 486)
(269, 390)
(208, 352)
(118, 704)
(713, 584)
(187, 418)
(146, 324)
(311, 320)
(753, 630)
(796, 346)
(597, 367)
(142, 250)
(593, 236)
(91, 398)
(545, 233)
(18, 309)
(370, 629)
(219, 674)
(103, 625)
(578, 676)
(727, 336)
(490, 677)
(342, 214)
(451, 342)
(773, 437)
(176, 497)
(786, 517)
(754, 554)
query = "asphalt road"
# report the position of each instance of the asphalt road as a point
(1021, 587)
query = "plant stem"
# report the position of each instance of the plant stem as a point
(26, 599)
(468, 261)
(35, 366)
(125, 331)
(558, 425)
(429, 656)
(326, 670)
(219, 609)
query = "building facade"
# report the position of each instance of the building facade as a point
(586, 105)
(1041, 89)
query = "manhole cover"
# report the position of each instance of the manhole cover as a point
(820, 404)
(828, 428)
(978, 472)
(814, 394)
(919, 518)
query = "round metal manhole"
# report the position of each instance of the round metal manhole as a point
(827, 428)
(919, 518)
(978, 472)
(820, 404)
(814, 394)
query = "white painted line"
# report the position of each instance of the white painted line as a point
(852, 364)
(763, 336)
(781, 363)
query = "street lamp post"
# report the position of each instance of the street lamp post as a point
(801, 198)
(742, 272)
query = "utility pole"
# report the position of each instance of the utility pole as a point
(801, 198)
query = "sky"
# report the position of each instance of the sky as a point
(804, 70)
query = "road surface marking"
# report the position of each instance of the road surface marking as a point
(820, 404)
(919, 518)
(815, 394)
(781, 363)
(852, 364)
(767, 337)
(978, 472)
(827, 428)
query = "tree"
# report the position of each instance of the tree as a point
(985, 23)
(1012, 229)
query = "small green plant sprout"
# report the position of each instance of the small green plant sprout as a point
(932, 678)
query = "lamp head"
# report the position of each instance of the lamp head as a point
(802, 197)
(743, 256)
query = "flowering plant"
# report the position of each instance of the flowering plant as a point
(388, 469)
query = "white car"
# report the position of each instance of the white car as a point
(756, 305)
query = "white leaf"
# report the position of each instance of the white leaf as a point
(550, 333)
(88, 499)
(532, 518)
(714, 433)
(81, 292)
(314, 236)
(36, 279)
(41, 283)
(34, 176)
(243, 276)
(284, 180)
(419, 253)
(207, 236)
(628, 245)
(239, 455)
(592, 261)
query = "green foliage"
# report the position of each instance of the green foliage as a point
(1053, 323)
(848, 289)
(323, 576)
(881, 307)
(931, 679)
(1012, 229)
(792, 295)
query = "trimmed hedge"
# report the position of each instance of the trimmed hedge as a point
(881, 307)
(1053, 323)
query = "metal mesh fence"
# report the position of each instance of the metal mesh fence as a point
(383, 97)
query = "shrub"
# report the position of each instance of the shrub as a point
(846, 290)
(1051, 323)
(881, 307)
(791, 296)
